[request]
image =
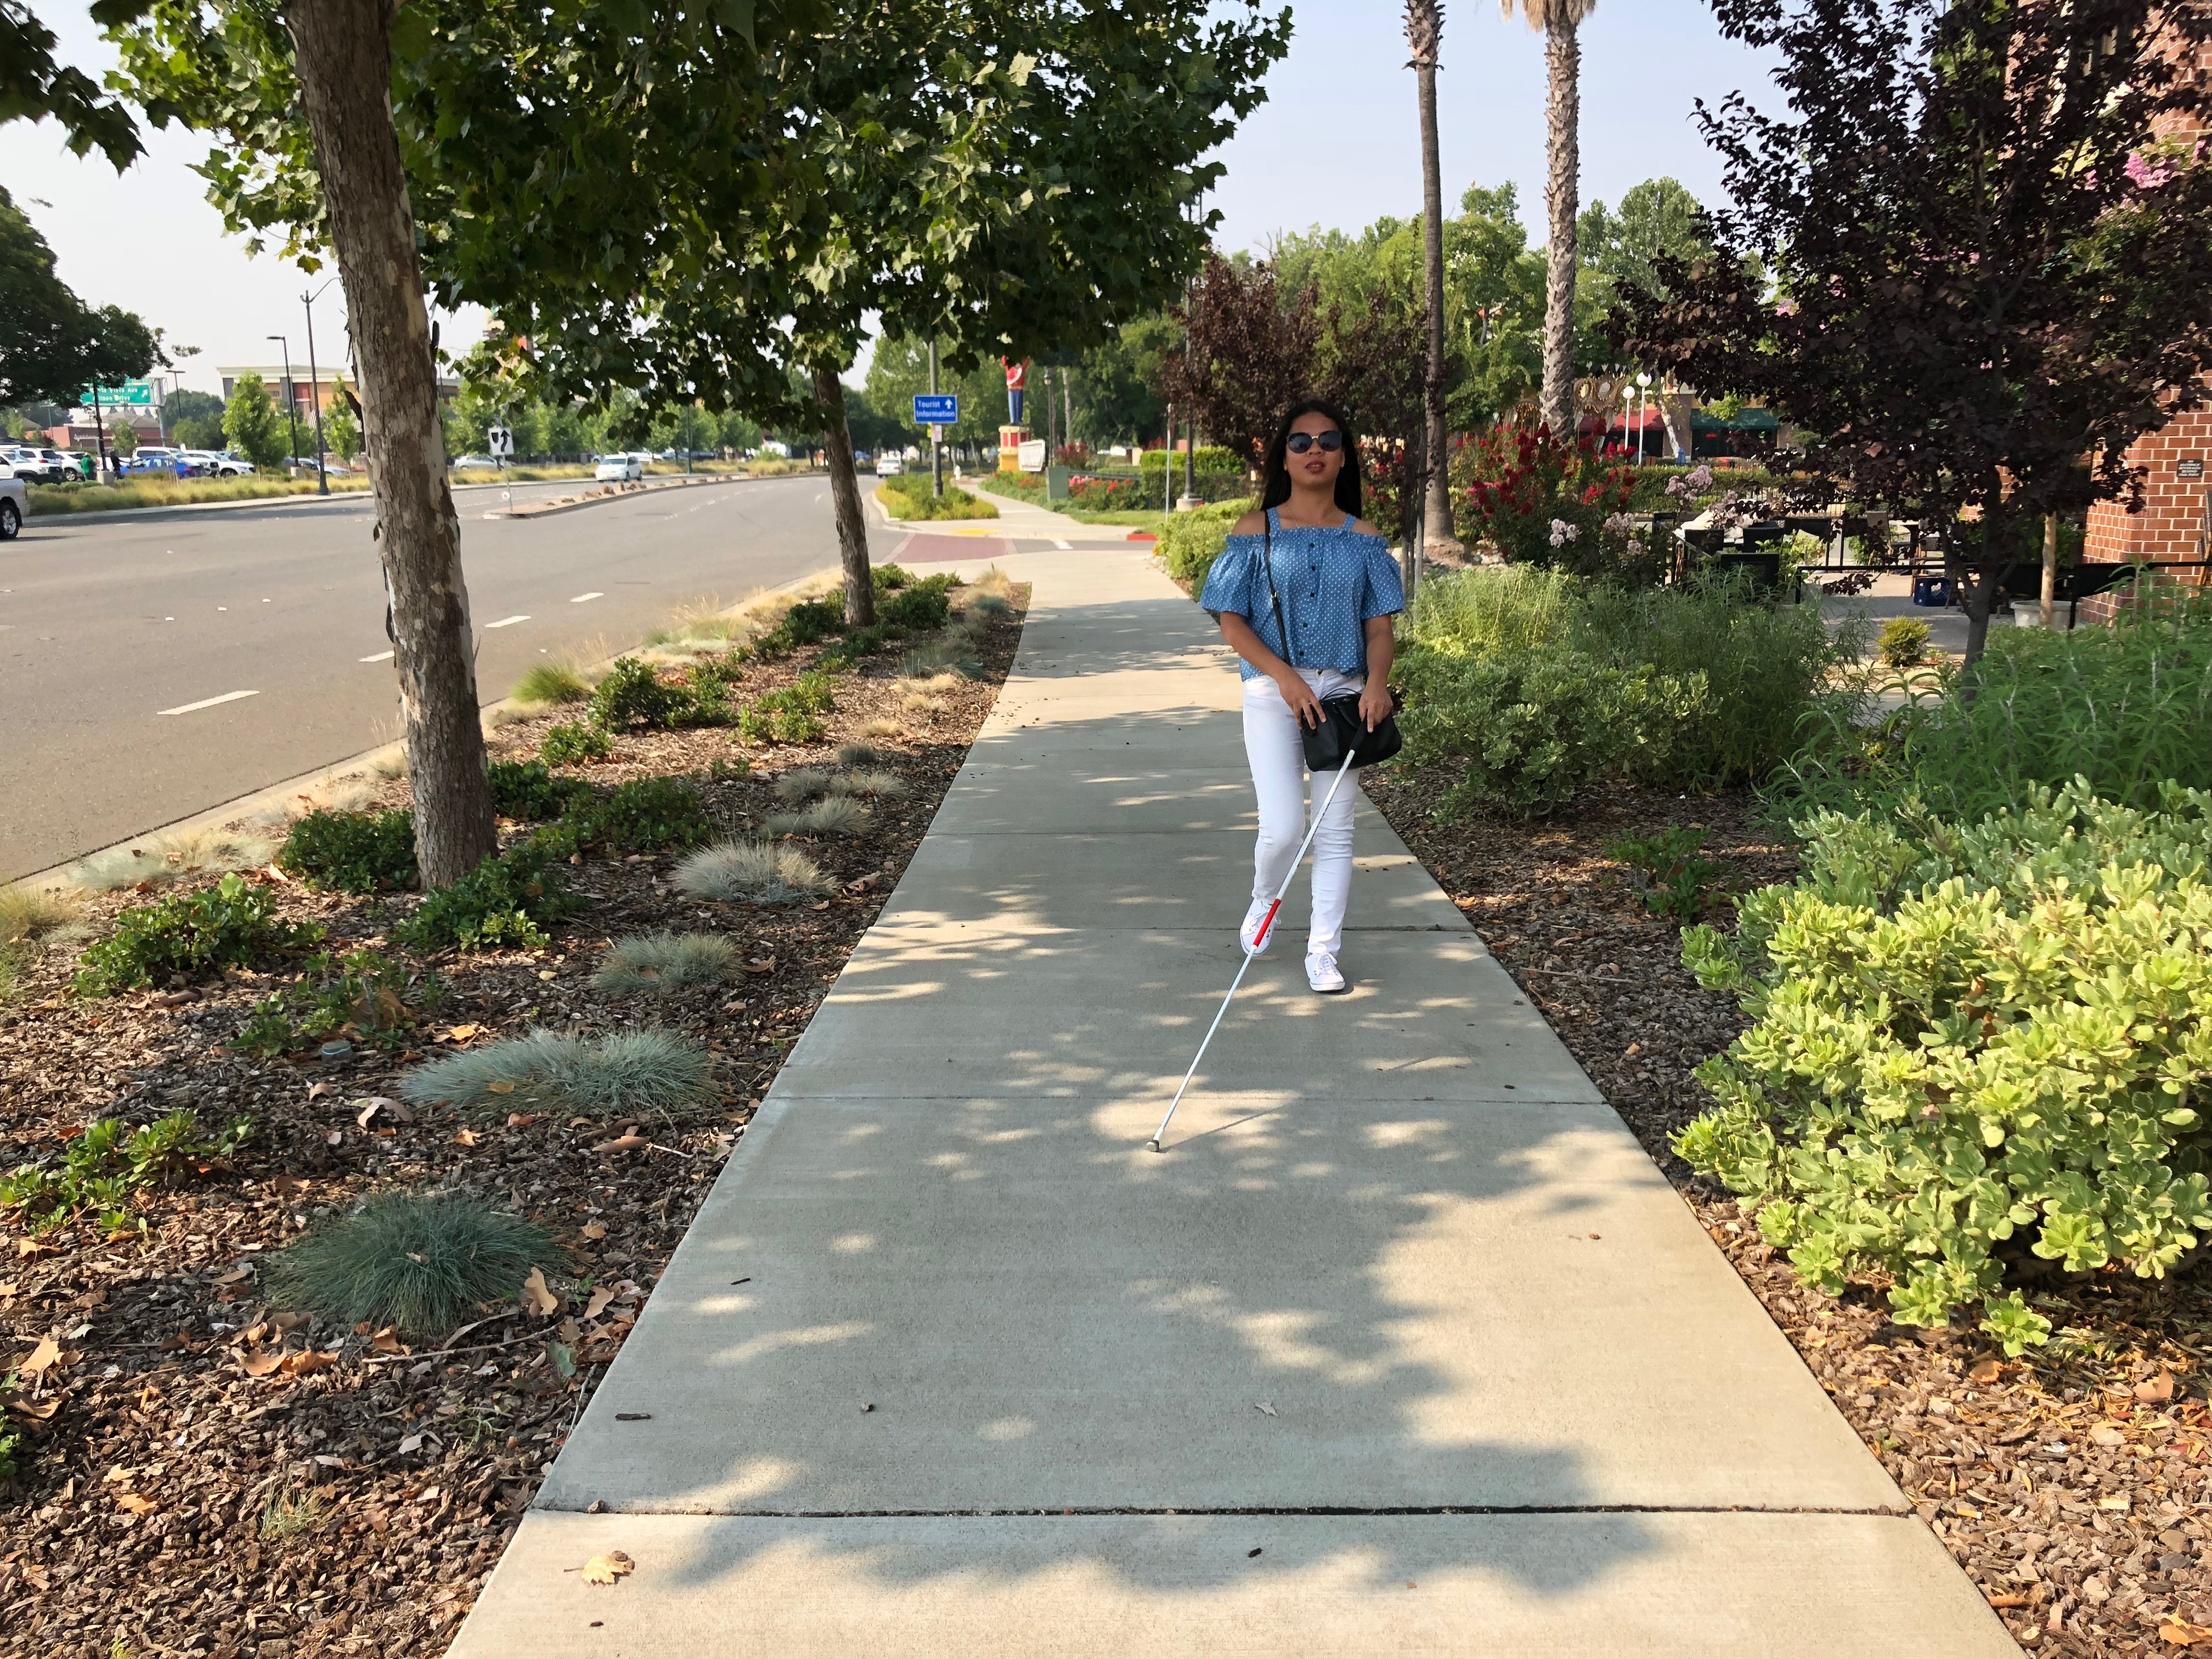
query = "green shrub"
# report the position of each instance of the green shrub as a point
(808, 623)
(1192, 541)
(1975, 1051)
(889, 578)
(508, 901)
(526, 790)
(912, 504)
(1903, 643)
(923, 607)
(1541, 683)
(102, 1167)
(422, 1263)
(233, 924)
(664, 963)
(647, 814)
(1675, 878)
(633, 694)
(645, 1071)
(363, 996)
(572, 743)
(2129, 707)
(353, 851)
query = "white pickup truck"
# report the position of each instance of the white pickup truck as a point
(15, 506)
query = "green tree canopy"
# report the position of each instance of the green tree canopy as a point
(253, 424)
(55, 346)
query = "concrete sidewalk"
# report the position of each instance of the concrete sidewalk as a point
(1403, 1348)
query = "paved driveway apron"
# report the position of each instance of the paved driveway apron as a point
(1403, 1348)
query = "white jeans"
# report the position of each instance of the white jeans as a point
(1272, 745)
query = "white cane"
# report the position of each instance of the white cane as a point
(1259, 943)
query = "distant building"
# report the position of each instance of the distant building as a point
(307, 392)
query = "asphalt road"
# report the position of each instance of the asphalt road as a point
(156, 665)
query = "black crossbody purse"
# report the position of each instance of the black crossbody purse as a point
(1342, 728)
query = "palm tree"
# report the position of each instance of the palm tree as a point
(1424, 28)
(1559, 20)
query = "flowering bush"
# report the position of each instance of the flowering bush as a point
(1975, 1052)
(1543, 500)
(1112, 495)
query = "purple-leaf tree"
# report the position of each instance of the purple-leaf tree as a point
(1976, 255)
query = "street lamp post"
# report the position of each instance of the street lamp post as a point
(291, 400)
(1644, 410)
(315, 386)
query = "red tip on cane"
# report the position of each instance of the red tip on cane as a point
(1265, 922)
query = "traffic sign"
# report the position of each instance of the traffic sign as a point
(500, 440)
(936, 408)
(131, 394)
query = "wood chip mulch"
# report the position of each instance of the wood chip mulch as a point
(203, 1473)
(2075, 1485)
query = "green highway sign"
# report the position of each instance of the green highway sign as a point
(131, 394)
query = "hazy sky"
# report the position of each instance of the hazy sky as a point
(1336, 144)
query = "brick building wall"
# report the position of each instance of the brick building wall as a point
(2177, 494)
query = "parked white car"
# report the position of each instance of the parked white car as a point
(888, 462)
(217, 464)
(15, 506)
(619, 469)
(19, 461)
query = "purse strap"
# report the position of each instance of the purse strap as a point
(1268, 563)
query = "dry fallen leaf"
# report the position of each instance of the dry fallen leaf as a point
(460, 1033)
(386, 1341)
(464, 1137)
(537, 1296)
(1985, 1373)
(41, 1356)
(259, 1362)
(39, 1411)
(606, 1568)
(2178, 1630)
(623, 1144)
(597, 1304)
(307, 1363)
(521, 1119)
(499, 1088)
(593, 1229)
(1263, 1405)
(318, 1089)
(138, 1506)
(2157, 1391)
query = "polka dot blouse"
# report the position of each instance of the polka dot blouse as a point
(1331, 581)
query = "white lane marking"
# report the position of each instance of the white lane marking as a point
(381, 656)
(507, 622)
(580, 597)
(209, 703)
(1065, 547)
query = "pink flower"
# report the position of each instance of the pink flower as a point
(2148, 175)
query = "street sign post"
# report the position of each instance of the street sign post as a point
(500, 440)
(937, 408)
(131, 394)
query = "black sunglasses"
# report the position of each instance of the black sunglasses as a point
(1298, 442)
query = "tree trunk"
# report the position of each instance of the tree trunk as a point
(1436, 513)
(344, 58)
(2050, 595)
(845, 490)
(1563, 57)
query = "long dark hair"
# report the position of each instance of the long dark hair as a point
(1275, 473)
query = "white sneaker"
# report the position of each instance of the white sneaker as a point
(1324, 974)
(1251, 930)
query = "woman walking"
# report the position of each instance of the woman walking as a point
(1304, 592)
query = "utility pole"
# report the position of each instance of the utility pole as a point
(99, 429)
(315, 387)
(936, 433)
(291, 398)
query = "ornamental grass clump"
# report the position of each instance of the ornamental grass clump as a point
(833, 815)
(1975, 1053)
(422, 1262)
(2129, 707)
(757, 872)
(664, 963)
(630, 1072)
(1539, 684)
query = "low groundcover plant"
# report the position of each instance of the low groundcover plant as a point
(1975, 1053)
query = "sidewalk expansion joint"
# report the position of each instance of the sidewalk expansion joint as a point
(1352, 1512)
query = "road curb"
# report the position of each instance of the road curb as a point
(571, 504)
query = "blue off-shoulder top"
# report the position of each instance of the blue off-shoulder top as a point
(1331, 580)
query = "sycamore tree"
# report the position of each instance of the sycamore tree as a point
(1966, 255)
(528, 160)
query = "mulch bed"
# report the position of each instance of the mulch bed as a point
(2072, 1484)
(203, 1473)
